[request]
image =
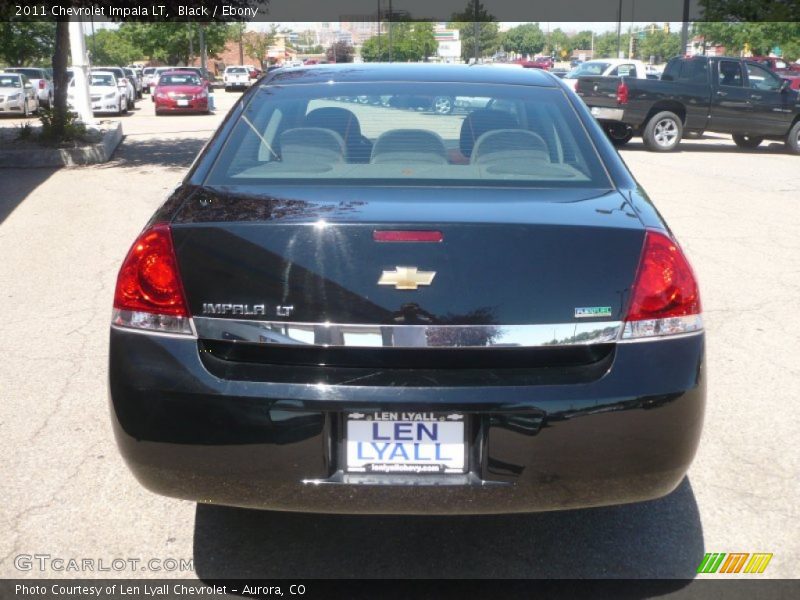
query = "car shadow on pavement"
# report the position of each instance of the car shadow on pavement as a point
(657, 539)
(699, 145)
(18, 184)
(170, 152)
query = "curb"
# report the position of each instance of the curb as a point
(65, 157)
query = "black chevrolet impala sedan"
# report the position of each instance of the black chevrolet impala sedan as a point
(372, 307)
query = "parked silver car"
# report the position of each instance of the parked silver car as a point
(134, 78)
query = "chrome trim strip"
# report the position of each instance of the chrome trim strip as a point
(407, 336)
(165, 334)
(661, 338)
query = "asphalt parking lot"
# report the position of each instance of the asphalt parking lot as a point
(63, 234)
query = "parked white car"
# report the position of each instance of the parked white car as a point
(237, 76)
(17, 95)
(123, 81)
(148, 79)
(607, 67)
(105, 93)
(40, 80)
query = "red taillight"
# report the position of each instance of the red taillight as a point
(149, 281)
(622, 93)
(407, 236)
(41, 84)
(665, 285)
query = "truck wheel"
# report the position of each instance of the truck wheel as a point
(619, 133)
(663, 132)
(793, 139)
(443, 105)
(747, 141)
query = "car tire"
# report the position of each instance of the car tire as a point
(663, 132)
(26, 112)
(747, 141)
(793, 139)
(123, 106)
(443, 105)
(619, 133)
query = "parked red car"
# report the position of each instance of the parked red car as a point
(180, 92)
(538, 63)
(780, 66)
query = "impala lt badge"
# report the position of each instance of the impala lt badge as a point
(234, 309)
(406, 278)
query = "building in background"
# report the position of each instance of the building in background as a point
(448, 43)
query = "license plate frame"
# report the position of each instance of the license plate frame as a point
(451, 425)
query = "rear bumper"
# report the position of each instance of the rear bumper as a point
(607, 114)
(629, 435)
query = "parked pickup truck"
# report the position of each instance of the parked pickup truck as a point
(697, 94)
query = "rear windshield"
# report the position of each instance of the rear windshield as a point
(31, 73)
(10, 81)
(389, 133)
(236, 70)
(588, 69)
(102, 80)
(148, 70)
(179, 79)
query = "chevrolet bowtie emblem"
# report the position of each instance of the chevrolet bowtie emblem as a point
(406, 278)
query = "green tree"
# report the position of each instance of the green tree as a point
(110, 47)
(659, 44)
(24, 43)
(581, 40)
(257, 44)
(605, 45)
(476, 19)
(411, 41)
(752, 11)
(559, 43)
(524, 39)
(757, 37)
(340, 52)
(169, 42)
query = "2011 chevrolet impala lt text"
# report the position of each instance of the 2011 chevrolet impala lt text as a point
(370, 308)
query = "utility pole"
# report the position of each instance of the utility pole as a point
(241, 43)
(391, 48)
(630, 42)
(94, 43)
(379, 29)
(476, 32)
(685, 27)
(619, 29)
(203, 57)
(191, 43)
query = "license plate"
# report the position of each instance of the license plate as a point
(405, 442)
(183, 103)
